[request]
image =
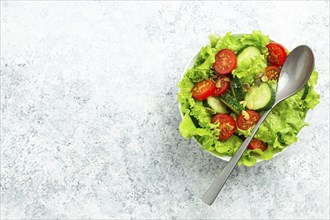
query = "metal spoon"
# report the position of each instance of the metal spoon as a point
(295, 73)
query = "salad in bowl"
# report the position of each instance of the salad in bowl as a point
(226, 89)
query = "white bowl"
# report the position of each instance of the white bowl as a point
(214, 153)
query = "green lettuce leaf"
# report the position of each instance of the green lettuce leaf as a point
(247, 159)
(247, 71)
(256, 39)
(230, 146)
(229, 42)
(312, 98)
(188, 129)
(244, 133)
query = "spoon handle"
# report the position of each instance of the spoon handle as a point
(213, 191)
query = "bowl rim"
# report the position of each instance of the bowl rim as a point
(226, 158)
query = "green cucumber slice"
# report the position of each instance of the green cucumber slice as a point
(231, 103)
(237, 89)
(260, 97)
(247, 55)
(216, 105)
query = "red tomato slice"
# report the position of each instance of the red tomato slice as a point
(227, 125)
(277, 54)
(225, 61)
(221, 85)
(245, 124)
(255, 143)
(272, 72)
(203, 89)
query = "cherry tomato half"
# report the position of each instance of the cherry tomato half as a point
(272, 72)
(245, 124)
(255, 143)
(225, 61)
(203, 89)
(277, 54)
(227, 125)
(221, 85)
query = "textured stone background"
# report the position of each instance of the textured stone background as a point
(89, 117)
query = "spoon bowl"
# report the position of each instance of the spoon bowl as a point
(295, 72)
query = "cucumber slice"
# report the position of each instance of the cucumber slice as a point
(247, 55)
(237, 89)
(231, 103)
(260, 97)
(216, 105)
(306, 88)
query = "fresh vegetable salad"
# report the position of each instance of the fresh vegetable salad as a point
(231, 84)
